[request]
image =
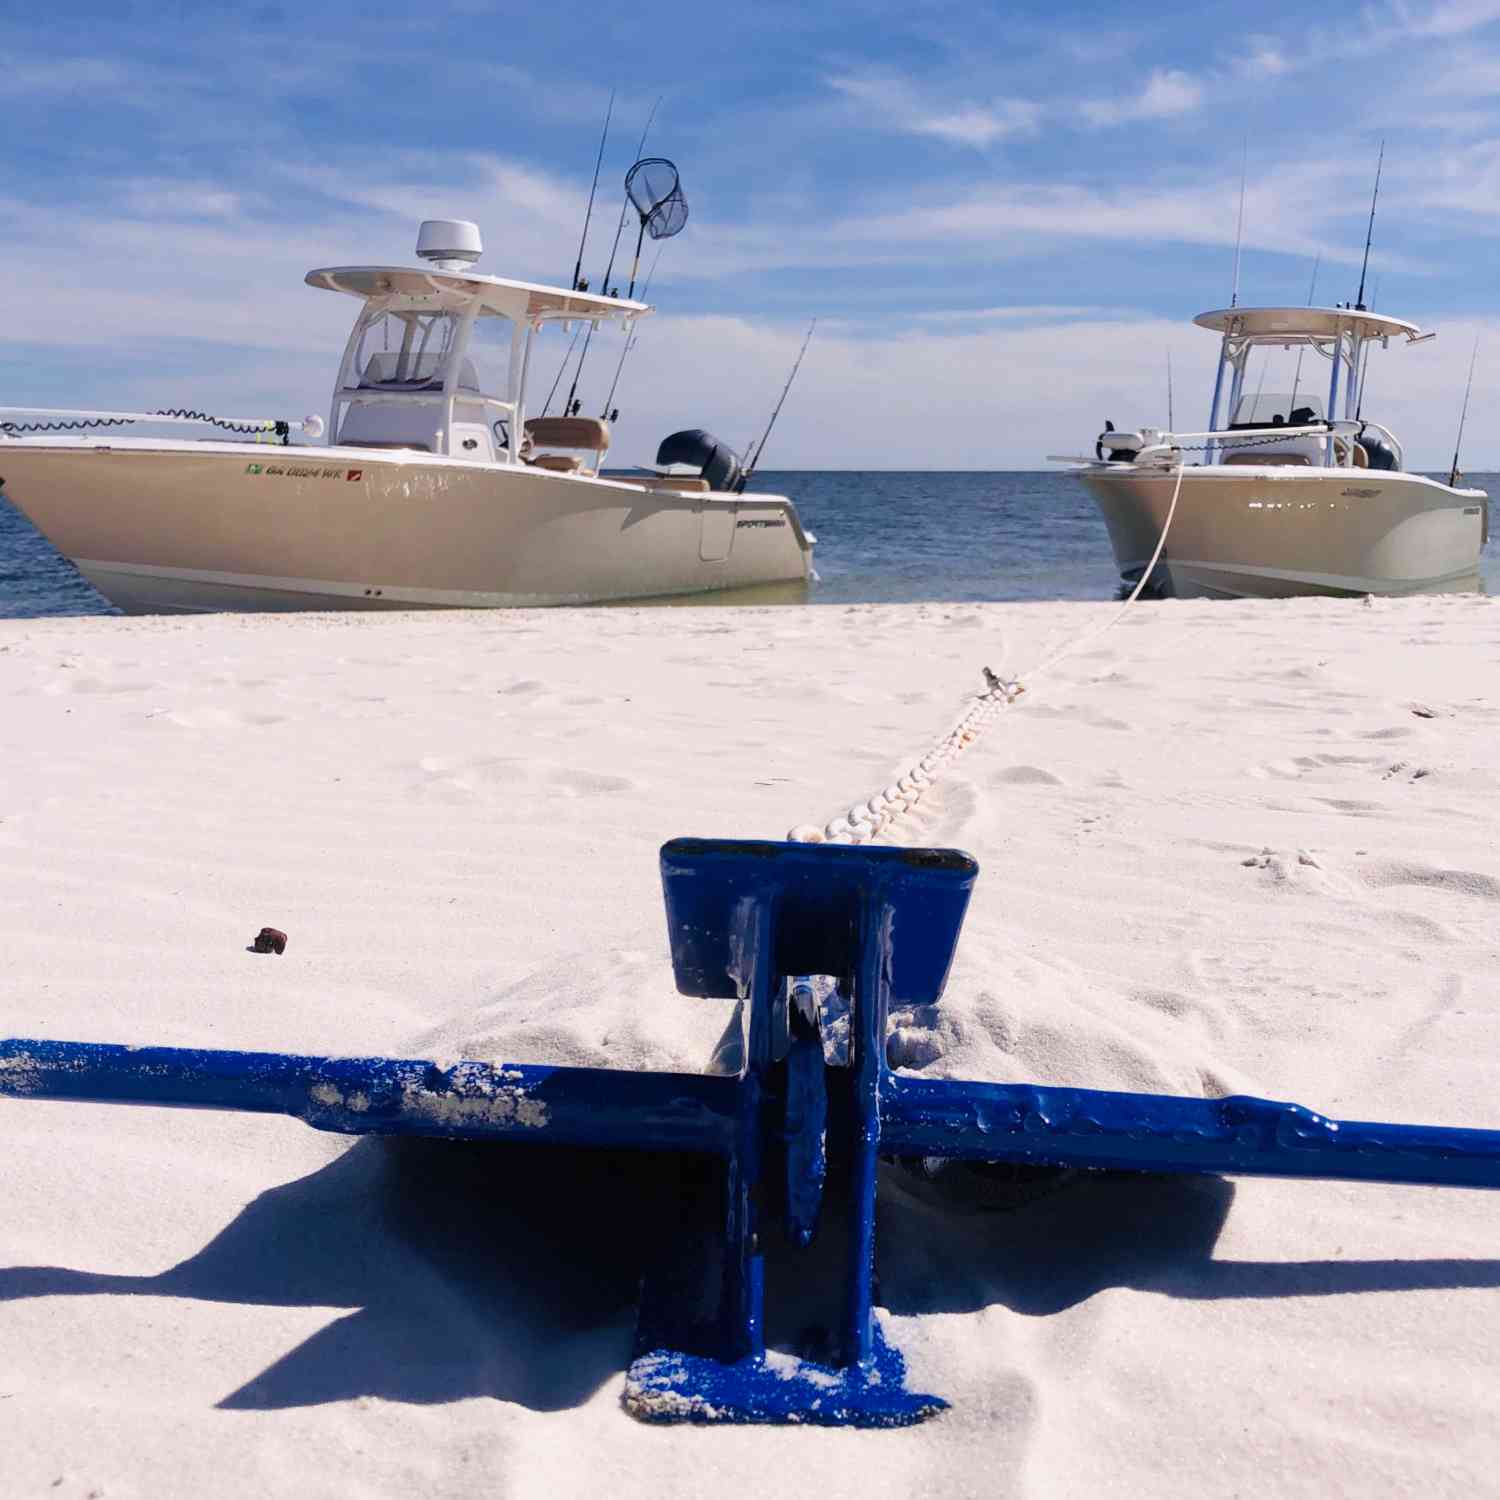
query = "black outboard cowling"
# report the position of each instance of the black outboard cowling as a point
(715, 461)
(1379, 453)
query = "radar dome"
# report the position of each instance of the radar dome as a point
(450, 244)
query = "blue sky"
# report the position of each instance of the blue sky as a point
(1004, 218)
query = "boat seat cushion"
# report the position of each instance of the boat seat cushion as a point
(568, 432)
(559, 463)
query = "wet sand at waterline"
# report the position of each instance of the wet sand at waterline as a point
(1224, 848)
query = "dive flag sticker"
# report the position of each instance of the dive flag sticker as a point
(355, 474)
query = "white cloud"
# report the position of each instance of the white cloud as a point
(1167, 93)
(1447, 19)
(897, 106)
(991, 398)
(168, 198)
(1264, 59)
(1022, 312)
(1293, 208)
(88, 77)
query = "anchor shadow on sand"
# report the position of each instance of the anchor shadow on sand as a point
(513, 1272)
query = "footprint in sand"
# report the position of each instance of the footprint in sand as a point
(450, 777)
(1407, 771)
(1025, 776)
(1352, 807)
(215, 718)
(101, 685)
(568, 783)
(1386, 873)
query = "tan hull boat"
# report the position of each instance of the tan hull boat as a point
(1267, 533)
(1294, 494)
(438, 488)
(211, 526)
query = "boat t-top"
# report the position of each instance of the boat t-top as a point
(438, 487)
(1295, 493)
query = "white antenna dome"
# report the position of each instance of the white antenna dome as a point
(450, 244)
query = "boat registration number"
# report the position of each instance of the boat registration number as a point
(303, 471)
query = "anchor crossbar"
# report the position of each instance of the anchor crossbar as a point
(748, 922)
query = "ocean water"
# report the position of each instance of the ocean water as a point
(883, 537)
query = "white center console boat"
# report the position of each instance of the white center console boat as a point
(1287, 497)
(436, 487)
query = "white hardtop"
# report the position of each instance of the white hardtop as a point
(522, 301)
(1305, 323)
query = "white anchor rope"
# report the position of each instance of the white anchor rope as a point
(864, 820)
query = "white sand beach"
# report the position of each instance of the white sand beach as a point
(1244, 847)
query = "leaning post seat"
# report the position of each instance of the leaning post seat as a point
(569, 432)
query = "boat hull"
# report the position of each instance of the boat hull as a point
(164, 528)
(1272, 532)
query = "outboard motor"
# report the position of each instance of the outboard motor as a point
(1379, 453)
(715, 462)
(1118, 447)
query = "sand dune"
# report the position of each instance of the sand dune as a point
(1246, 847)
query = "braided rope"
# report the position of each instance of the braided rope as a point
(864, 820)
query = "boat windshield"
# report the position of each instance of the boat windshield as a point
(404, 351)
(1300, 409)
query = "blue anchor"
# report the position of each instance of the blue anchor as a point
(772, 927)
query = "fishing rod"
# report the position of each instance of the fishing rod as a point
(1463, 417)
(570, 407)
(1170, 423)
(1359, 301)
(1364, 364)
(557, 379)
(1239, 230)
(1312, 288)
(579, 284)
(761, 447)
(625, 206)
(611, 413)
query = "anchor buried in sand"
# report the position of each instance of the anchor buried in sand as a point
(770, 925)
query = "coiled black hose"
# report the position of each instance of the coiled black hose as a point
(281, 429)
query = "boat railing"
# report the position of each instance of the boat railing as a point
(1337, 440)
